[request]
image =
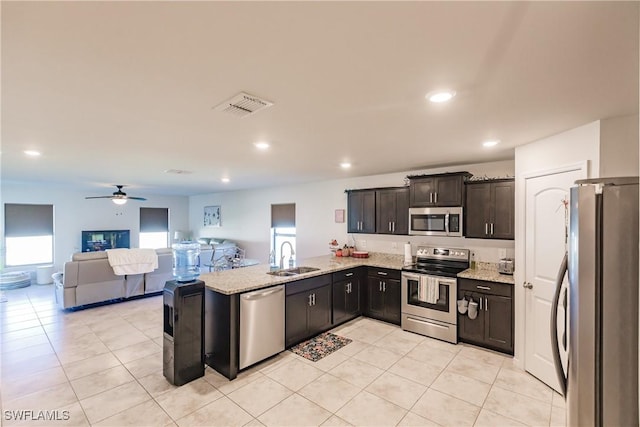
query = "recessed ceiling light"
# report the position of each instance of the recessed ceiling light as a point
(32, 153)
(491, 143)
(225, 180)
(262, 145)
(345, 165)
(440, 96)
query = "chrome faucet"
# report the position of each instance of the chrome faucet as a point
(282, 254)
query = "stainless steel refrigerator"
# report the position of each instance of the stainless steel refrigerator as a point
(601, 322)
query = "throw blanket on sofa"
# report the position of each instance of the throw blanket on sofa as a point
(132, 261)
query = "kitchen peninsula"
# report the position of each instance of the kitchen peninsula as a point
(338, 282)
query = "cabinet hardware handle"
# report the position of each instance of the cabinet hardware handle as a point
(393, 226)
(382, 273)
(486, 304)
(486, 228)
(430, 197)
(436, 198)
(486, 288)
(492, 229)
(480, 304)
(348, 275)
(314, 299)
(309, 300)
(380, 285)
(384, 286)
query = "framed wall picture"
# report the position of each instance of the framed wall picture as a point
(212, 216)
(339, 215)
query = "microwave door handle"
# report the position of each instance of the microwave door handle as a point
(446, 223)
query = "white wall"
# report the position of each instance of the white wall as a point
(72, 214)
(246, 215)
(557, 151)
(619, 146)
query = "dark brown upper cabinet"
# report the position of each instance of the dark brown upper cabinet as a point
(437, 190)
(361, 211)
(392, 211)
(490, 209)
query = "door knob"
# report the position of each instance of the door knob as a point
(527, 285)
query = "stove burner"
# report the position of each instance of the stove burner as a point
(440, 261)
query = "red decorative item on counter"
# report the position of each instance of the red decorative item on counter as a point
(360, 254)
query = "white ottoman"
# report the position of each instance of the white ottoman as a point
(43, 274)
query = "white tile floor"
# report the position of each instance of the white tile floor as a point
(103, 366)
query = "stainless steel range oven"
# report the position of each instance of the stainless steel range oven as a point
(429, 292)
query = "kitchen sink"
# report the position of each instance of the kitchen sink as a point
(292, 271)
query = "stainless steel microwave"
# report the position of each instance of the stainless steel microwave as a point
(435, 221)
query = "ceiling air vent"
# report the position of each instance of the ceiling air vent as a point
(243, 104)
(178, 171)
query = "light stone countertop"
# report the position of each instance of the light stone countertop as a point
(486, 271)
(246, 279)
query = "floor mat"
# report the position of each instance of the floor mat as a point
(320, 346)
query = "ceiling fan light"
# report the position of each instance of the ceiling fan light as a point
(119, 201)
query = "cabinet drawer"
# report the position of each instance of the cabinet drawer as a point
(304, 285)
(484, 287)
(383, 273)
(346, 274)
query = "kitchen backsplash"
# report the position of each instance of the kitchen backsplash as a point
(484, 250)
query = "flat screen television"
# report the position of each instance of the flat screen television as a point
(100, 240)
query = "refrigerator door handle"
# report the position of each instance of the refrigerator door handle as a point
(555, 346)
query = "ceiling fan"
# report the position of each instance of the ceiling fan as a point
(118, 197)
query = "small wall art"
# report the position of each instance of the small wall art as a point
(339, 215)
(212, 216)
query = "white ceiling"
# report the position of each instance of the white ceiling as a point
(119, 92)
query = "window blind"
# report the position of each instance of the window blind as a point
(283, 215)
(21, 220)
(153, 220)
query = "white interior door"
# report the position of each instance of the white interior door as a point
(544, 249)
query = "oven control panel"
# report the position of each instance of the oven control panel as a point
(442, 253)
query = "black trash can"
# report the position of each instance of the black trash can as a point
(183, 346)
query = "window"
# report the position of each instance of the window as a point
(283, 229)
(28, 231)
(154, 228)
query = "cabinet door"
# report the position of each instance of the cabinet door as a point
(296, 328)
(368, 212)
(385, 211)
(478, 210)
(352, 304)
(420, 192)
(340, 301)
(401, 221)
(354, 212)
(375, 298)
(503, 198)
(498, 330)
(392, 299)
(472, 330)
(448, 191)
(319, 313)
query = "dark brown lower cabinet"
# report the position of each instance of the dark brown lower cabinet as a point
(493, 327)
(382, 298)
(307, 308)
(346, 300)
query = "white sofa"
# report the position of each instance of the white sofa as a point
(89, 278)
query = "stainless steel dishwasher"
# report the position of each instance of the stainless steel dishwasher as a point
(261, 324)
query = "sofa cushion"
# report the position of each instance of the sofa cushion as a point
(83, 256)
